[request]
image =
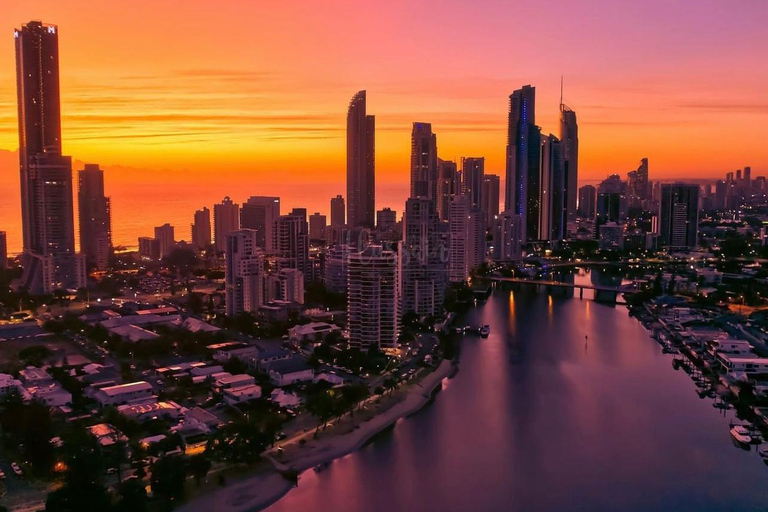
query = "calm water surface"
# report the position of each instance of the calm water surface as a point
(540, 418)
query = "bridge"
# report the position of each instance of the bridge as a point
(602, 293)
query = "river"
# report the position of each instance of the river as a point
(568, 405)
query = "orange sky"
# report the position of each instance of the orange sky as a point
(262, 87)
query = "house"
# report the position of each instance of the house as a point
(284, 399)
(732, 347)
(228, 381)
(194, 325)
(269, 355)
(743, 364)
(290, 371)
(194, 440)
(32, 376)
(202, 419)
(311, 332)
(52, 395)
(329, 377)
(242, 394)
(123, 393)
(223, 352)
(205, 371)
(150, 411)
(106, 434)
(9, 385)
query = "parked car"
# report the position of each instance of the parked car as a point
(2, 474)
(16, 469)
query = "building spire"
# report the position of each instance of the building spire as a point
(561, 93)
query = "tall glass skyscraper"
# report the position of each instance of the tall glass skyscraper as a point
(361, 164)
(523, 155)
(48, 226)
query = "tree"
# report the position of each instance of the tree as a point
(168, 477)
(241, 441)
(354, 394)
(34, 355)
(199, 465)
(133, 496)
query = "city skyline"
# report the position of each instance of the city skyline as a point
(244, 86)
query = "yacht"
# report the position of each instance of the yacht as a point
(741, 434)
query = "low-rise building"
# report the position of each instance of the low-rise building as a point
(150, 411)
(242, 394)
(123, 393)
(284, 398)
(743, 364)
(223, 352)
(290, 371)
(106, 434)
(311, 332)
(228, 381)
(331, 378)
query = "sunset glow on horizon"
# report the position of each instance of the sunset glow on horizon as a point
(234, 89)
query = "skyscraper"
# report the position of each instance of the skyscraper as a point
(49, 258)
(424, 162)
(260, 213)
(679, 216)
(166, 239)
(611, 203)
(506, 237)
(317, 225)
(569, 138)
(522, 192)
(201, 228)
(490, 198)
(638, 189)
(587, 202)
(373, 305)
(424, 258)
(244, 272)
(361, 164)
(448, 185)
(473, 175)
(292, 240)
(95, 217)
(553, 210)
(467, 239)
(3, 251)
(338, 210)
(226, 218)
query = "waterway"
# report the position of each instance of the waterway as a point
(568, 405)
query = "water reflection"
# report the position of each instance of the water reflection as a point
(567, 405)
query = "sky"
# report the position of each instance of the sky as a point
(163, 92)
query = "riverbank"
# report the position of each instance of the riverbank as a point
(258, 491)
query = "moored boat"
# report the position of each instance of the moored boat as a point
(485, 331)
(741, 434)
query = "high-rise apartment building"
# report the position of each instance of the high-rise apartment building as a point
(522, 194)
(226, 219)
(506, 237)
(292, 241)
(424, 162)
(166, 239)
(424, 258)
(490, 198)
(201, 228)
(95, 217)
(47, 214)
(448, 185)
(569, 138)
(361, 164)
(373, 304)
(553, 213)
(473, 176)
(260, 214)
(467, 239)
(244, 272)
(611, 205)
(317, 225)
(587, 202)
(679, 216)
(3, 251)
(338, 211)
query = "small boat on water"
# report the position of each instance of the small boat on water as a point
(741, 434)
(321, 467)
(485, 331)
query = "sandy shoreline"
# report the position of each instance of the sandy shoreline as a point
(260, 490)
